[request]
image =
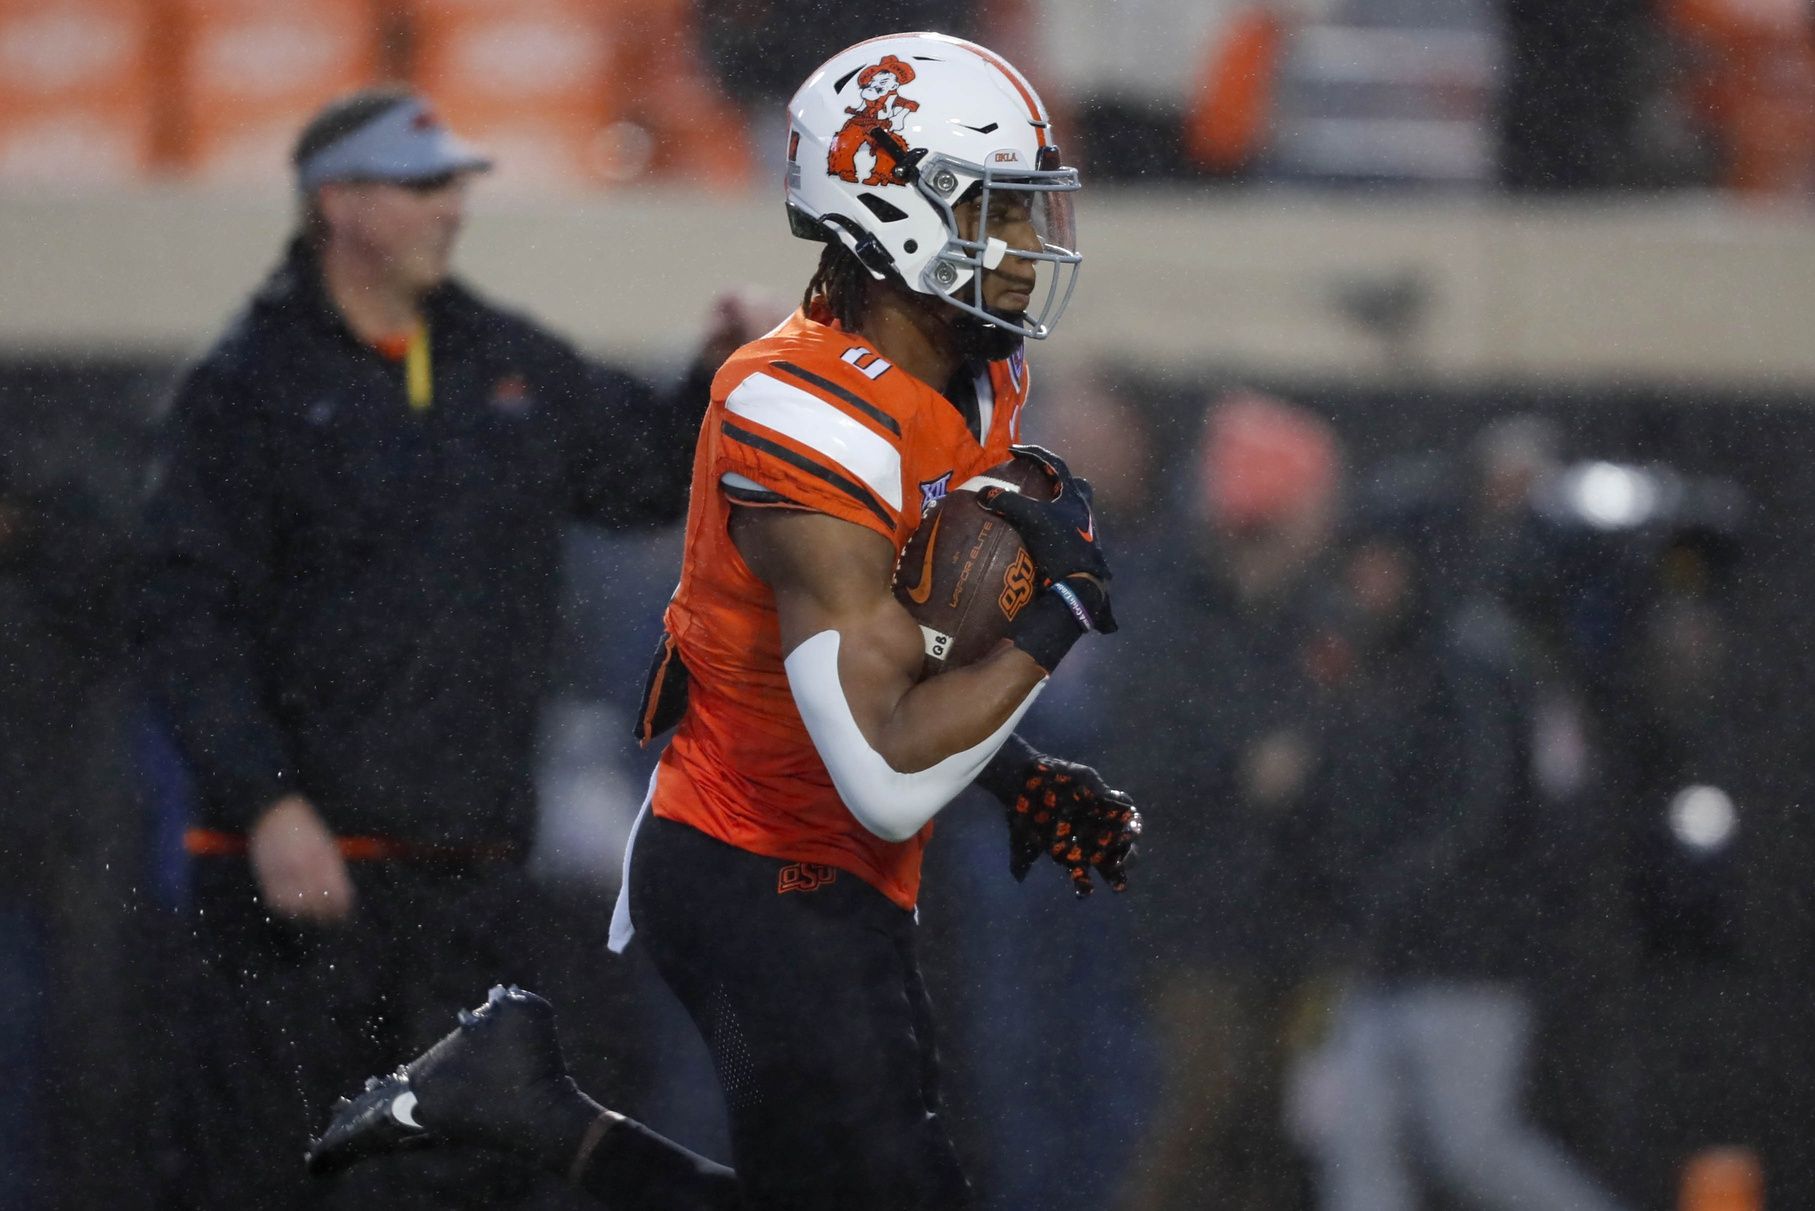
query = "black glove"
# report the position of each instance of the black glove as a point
(1064, 810)
(1061, 538)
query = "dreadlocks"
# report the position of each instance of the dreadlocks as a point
(843, 286)
(842, 283)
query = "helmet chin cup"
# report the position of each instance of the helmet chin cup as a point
(888, 137)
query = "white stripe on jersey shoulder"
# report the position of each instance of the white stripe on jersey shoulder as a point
(806, 418)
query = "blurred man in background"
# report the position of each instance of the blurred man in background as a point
(347, 623)
(1225, 646)
(1429, 839)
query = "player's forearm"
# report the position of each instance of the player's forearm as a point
(893, 803)
(910, 721)
(957, 710)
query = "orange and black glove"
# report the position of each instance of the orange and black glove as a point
(1065, 811)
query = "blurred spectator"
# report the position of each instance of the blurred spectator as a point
(61, 636)
(347, 625)
(1512, 457)
(1218, 698)
(1428, 836)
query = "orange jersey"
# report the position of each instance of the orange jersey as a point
(813, 415)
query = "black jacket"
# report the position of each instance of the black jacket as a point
(354, 599)
(1221, 873)
(1431, 811)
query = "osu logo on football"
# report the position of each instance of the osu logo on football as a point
(1017, 586)
(871, 135)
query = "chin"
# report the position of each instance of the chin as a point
(982, 341)
(424, 278)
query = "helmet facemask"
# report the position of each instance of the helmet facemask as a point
(955, 274)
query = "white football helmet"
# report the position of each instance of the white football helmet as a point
(889, 134)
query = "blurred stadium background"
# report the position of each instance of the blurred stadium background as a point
(1413, 217)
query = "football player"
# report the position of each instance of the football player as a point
(773, 873)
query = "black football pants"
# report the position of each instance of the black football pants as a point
(804, 984)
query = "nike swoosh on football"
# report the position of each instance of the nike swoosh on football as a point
(923, 588)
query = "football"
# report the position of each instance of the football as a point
(964, 574)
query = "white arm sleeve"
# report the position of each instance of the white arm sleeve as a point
(889, 803)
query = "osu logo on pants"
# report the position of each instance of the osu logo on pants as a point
(804, 876)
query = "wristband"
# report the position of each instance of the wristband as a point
(1047, 628)
(1078, 612)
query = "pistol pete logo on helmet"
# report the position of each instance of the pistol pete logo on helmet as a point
(871, 136)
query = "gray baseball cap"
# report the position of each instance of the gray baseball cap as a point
(401, 141)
